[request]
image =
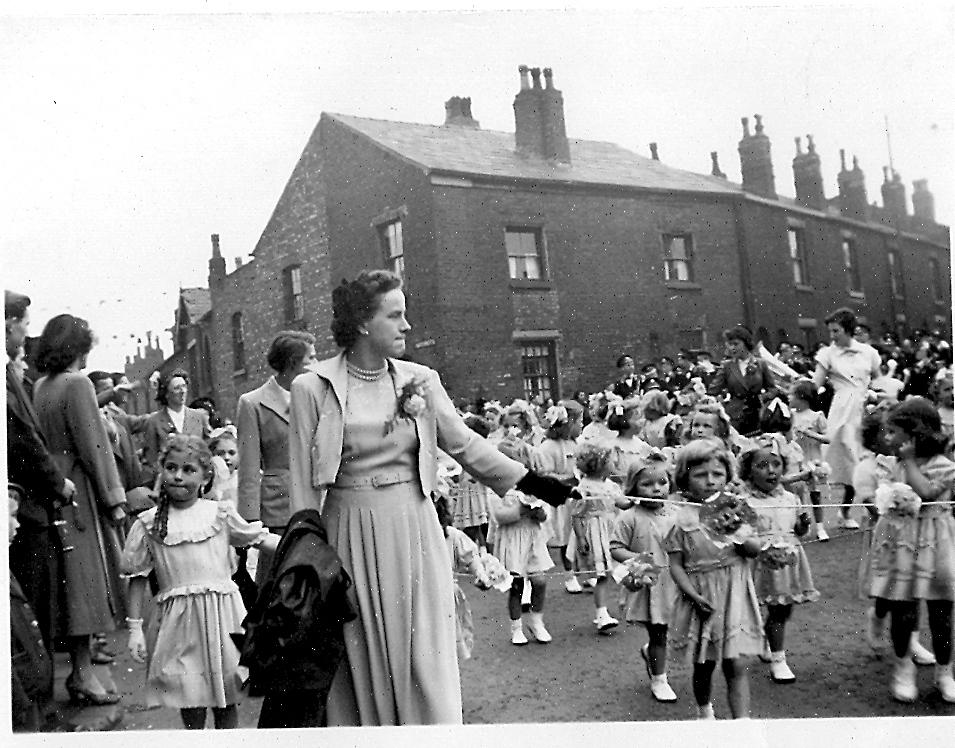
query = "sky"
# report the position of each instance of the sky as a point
(129, 139)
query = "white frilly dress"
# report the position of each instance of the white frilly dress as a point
(193, 661)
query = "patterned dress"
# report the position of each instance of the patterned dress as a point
(777, 512)
(722, 576)
(913, 558)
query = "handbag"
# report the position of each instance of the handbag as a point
(243, 580)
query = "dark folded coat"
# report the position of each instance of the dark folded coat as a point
(294, 637)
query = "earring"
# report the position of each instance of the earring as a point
(363, 332)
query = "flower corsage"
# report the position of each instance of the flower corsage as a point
(412, 402)
(898, 499)
(777, 554)
(637, 572)
(729, 516)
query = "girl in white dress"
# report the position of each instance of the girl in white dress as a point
(192, 661)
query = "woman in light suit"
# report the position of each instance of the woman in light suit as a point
(364, 436)
(173, 417)
(263, 424)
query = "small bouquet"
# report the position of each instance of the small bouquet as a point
(820, 470)
(898, 499)
(729, 515)
(412, 402)
(493, 575)
(777, 554)
(638, 572)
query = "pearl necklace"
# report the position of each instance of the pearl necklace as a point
(366, 375)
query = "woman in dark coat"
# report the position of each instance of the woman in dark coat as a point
(740, 379)
(65, 404)
(171, 417)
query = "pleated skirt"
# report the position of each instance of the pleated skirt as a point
(402, 666)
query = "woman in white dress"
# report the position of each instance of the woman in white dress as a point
(365, 428)
(849, 366)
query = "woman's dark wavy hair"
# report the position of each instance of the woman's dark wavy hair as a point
(919, 419)
(288, 348)
(163, 384)
(355, 302)
(64, 339)
(844, 317)
(740, 333)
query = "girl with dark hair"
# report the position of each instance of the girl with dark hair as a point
(913, 543)
(70, 420)
(849, 366)
(365, 429)
(193, 661)
(740, 379)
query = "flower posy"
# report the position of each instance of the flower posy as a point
(412, 402)
(637, 572)
(727, 514)
(897, 498)
(777, 554)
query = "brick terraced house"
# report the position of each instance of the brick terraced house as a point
(532, 259)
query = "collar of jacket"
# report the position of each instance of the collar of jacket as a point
(275, 398)
(335, 371)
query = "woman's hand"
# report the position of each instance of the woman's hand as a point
(544, 487)
(136, 644)
(118, 514)
(802, 524)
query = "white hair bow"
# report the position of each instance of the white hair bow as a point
(777, 404)
(229, 430)
(555, 414)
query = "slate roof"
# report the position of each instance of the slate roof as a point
(489, 153)
(197, 302)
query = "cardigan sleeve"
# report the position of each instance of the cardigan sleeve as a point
(478, 456)
(303, 420)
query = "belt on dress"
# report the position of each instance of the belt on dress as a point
(378, 480)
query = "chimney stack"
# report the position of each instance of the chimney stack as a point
(540, 131)
(216, 263)
(853, 201)
(756, 160)
(653, 152)
(807, 175)
(716, 171)
(923, 202)
(893, 193)
(457, 113)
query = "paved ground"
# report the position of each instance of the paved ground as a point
(581, 676)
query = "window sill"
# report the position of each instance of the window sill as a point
(683, 285)
(539, 285)
(806, 289)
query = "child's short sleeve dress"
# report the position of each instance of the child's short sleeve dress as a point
(776, 514)
(643, 530)
(913, 558)
(192, 661)
(592, 514)
(520, 545)
(722, 576)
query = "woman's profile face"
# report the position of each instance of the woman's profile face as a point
(736, 349)
(388, 326)
(176, 392)
(838, 334)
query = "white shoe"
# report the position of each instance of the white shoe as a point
(535, 624)
(919, 654)
(517, 634)
(604, 622)
(945, 682)
(847, 523)
(903, 686)
(821, 535)
(661, 689)
(591, 583)
(779, 670)
(705, 712)
(875, 630)
(573, 586)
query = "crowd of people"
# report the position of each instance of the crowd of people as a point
(323, 542)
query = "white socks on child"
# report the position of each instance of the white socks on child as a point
(517, 633)
(778, 669)
(705, 712)
(903, 686)
(661, 690)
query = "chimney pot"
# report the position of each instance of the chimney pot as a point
(798, 145)
(855, 163)
(525, 81)
(810, 144)
(745, 121)
(923, 202)
(215, 245)
(885, 174)
(842, 159)
(536, 77)
(548, 78)
(238, 262)
(759, 123)
(653, 152)
(716, 171)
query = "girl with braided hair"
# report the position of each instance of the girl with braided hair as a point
(192, 661)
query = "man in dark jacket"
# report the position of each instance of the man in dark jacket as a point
(35, 555)
(295, 640)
